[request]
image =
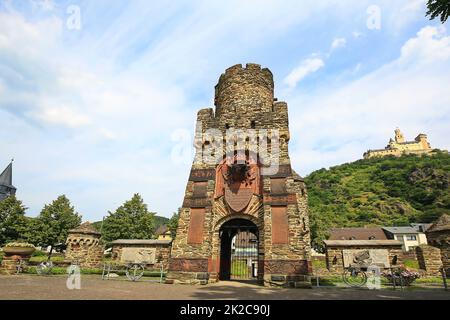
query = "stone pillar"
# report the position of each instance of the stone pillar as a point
(429, 259)
(438, 235)
(335, 263)
(84, 247)
(9, 264)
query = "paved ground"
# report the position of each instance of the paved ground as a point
(54, 287)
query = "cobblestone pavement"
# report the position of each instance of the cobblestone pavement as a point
(92, 287)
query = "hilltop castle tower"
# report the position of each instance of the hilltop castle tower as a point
(399, 146)
(6, 187)
(244, 214)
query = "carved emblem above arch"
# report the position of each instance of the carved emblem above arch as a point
(238, 178)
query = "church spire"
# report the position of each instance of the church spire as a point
(6, 187)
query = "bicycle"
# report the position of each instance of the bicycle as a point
(44, 268)
(135, 271)
(355, 277)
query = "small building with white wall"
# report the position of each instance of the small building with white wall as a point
(410, 237)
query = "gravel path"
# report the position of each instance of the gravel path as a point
(31, 287)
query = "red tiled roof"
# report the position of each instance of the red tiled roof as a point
(357, 234)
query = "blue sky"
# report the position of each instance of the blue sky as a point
(98, 113)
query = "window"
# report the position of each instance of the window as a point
(411, 238)
(253, 124)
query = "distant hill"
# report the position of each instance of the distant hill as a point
(159, 221)
(379, 192)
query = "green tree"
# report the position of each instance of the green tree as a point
(173, 223)
(32, 231)
(132, 220)
(13, 222)
(55, 221)
(385, 191)
(438, 8)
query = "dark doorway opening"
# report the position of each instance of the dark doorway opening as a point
(239, 250)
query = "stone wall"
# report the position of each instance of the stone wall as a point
(162, 248)
(9, 264)
(438, 236)
(429, 259)
(335, 260)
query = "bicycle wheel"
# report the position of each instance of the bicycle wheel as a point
(355, 278)
(134, 271)
(44, 267)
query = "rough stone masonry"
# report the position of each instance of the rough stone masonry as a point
(239, 186)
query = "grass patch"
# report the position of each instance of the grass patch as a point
(40, 258)
(319, 264)
(429, 280)
(55, 270)
(91, 271)
(411, 264)
(239, 268)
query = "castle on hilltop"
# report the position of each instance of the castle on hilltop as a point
(399, 146)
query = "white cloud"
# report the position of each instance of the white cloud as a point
(430, 45)
(307, 67)
(338, 43)
(62, 115)
(357, 34)
(402, 14)
(339, 125)
(90, 132)
(45, 5)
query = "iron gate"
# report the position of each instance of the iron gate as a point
(244, 256)
(239, 250)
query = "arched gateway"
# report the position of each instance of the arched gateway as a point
(239, 250)
(244, 215)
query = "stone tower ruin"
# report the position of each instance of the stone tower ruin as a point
(244, 214)
(84, 246)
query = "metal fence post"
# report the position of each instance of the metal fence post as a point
(444, 278)
(394, 281)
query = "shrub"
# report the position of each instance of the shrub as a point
(401, 276)
(39, 253)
